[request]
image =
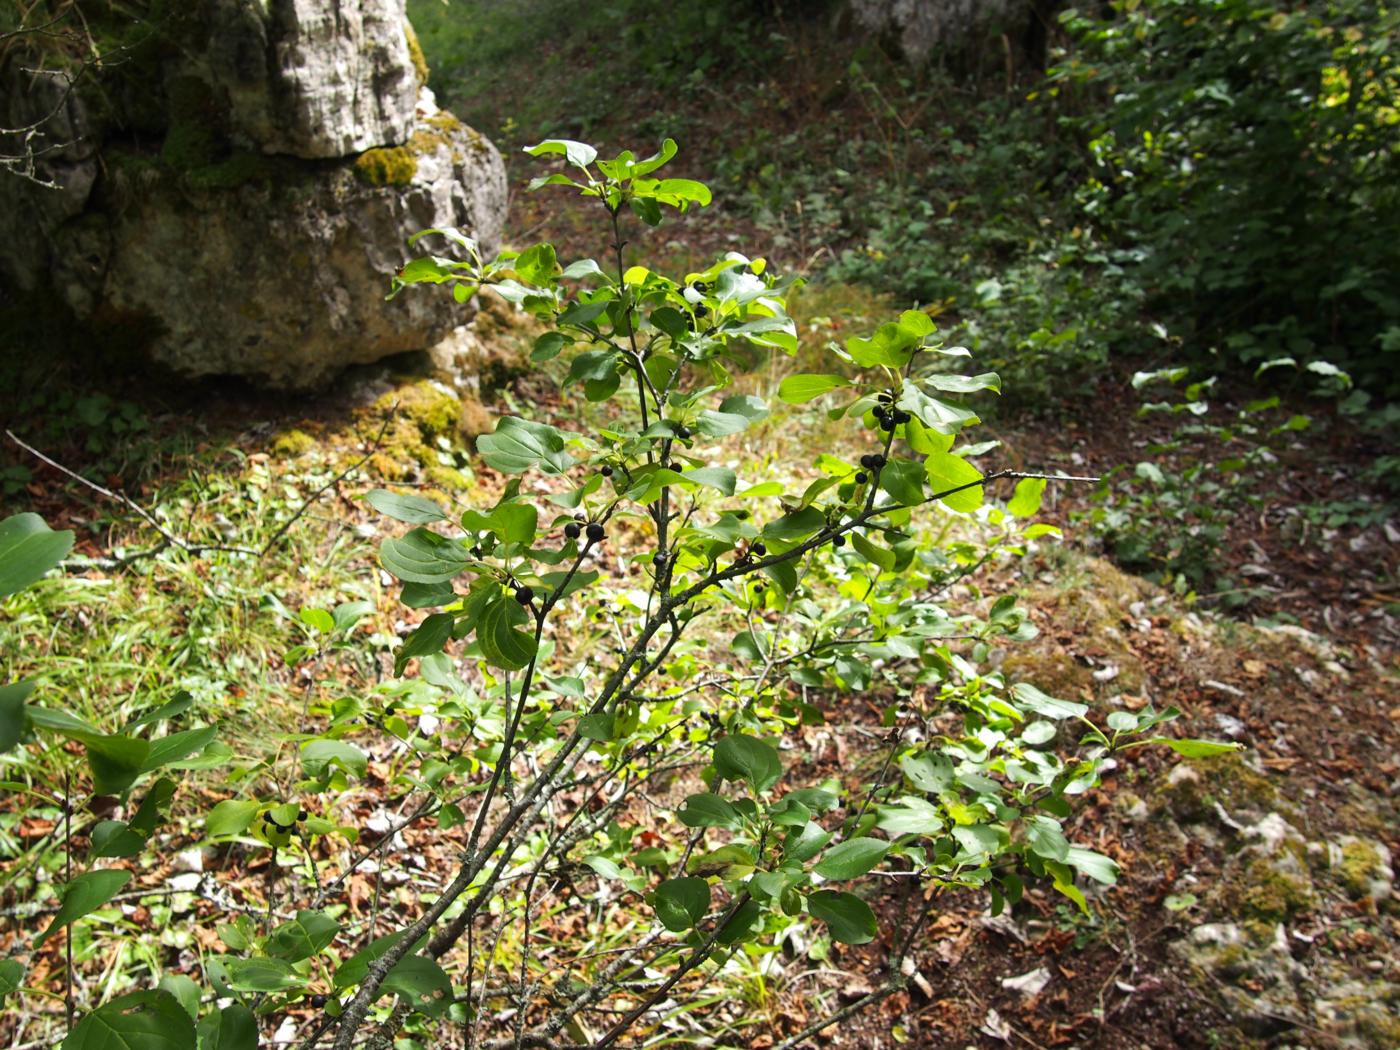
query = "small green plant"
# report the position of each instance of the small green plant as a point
(613, 661)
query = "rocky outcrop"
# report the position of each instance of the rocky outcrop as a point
(309, 78)
(923, 28)
(240, 205)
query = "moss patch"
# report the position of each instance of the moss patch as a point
(1360, 866)
(292, 444)
(390, 166)
(1226, 779)
(415, 53)
(1269, 889)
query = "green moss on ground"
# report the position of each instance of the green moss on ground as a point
(293, 443)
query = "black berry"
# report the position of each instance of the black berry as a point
(838, 541)
(302, 815)
(701, 310)
(861, 477)
(318, 1001)
(606, 471)
(867, 461)
(900, 416)
(682, 431)
(759, 548)
(524, 595)
(886, 423)
(659, 559)
(595, 531)
(573, 530)
(877, 461)
(701, 286)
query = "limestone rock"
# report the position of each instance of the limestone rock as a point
(921, 26)
(309, 78)
(282, 277)
(52, 125)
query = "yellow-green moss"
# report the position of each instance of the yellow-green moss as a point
(415, 53)
(1360, 863)
(389, 166)
(386, 467)
(436, 412)
(292, 444)
(1265, 891)
(1226, 779)
(449, 479)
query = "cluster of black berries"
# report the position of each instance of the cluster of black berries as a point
(871, 461)
(888, 418)
(272, 823)
(592, 529)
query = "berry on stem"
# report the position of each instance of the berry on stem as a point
(838, 541)
(524, 595)
(595, 531)
(573, 530)
(606, 471)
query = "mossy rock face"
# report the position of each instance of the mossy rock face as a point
(1269, 890)
(1190, 793)
(1364, 869)
(392, 166)
(415, 53)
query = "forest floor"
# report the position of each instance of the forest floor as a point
(1255, 908)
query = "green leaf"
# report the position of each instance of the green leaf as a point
(799, 389)
(353, 970)
(185, 991)
(910, 815)
(805, 844)
(708, 811)
(318, 756)
(421, 556)
(797, 526)
(12, 714)
(964, 384)
(318, 619)
(852, 858)
(112, 838)
(928, 771)
(422, 983)
(749, 759)
(537, 264)
(685, 190)
(230, 817)
(116, 761)
(232, 1028)
(981, 840)
(261, 974)
(1046, 837)
(1025, 503)
(1032, 699)
(946, 472)
(1194, 748)
(519, 445)
(681, 903)
(139, 1021)
(306, 935)
(721, 478)
(172, 748)
(84, 895)
(11, 977)
(28, 550)
(416, 510)
(427, 638)
(903, 479)
(1095, 865)
(579, 154)
(427, 595)
(501, 644)
(742, 925)
(850, 919)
